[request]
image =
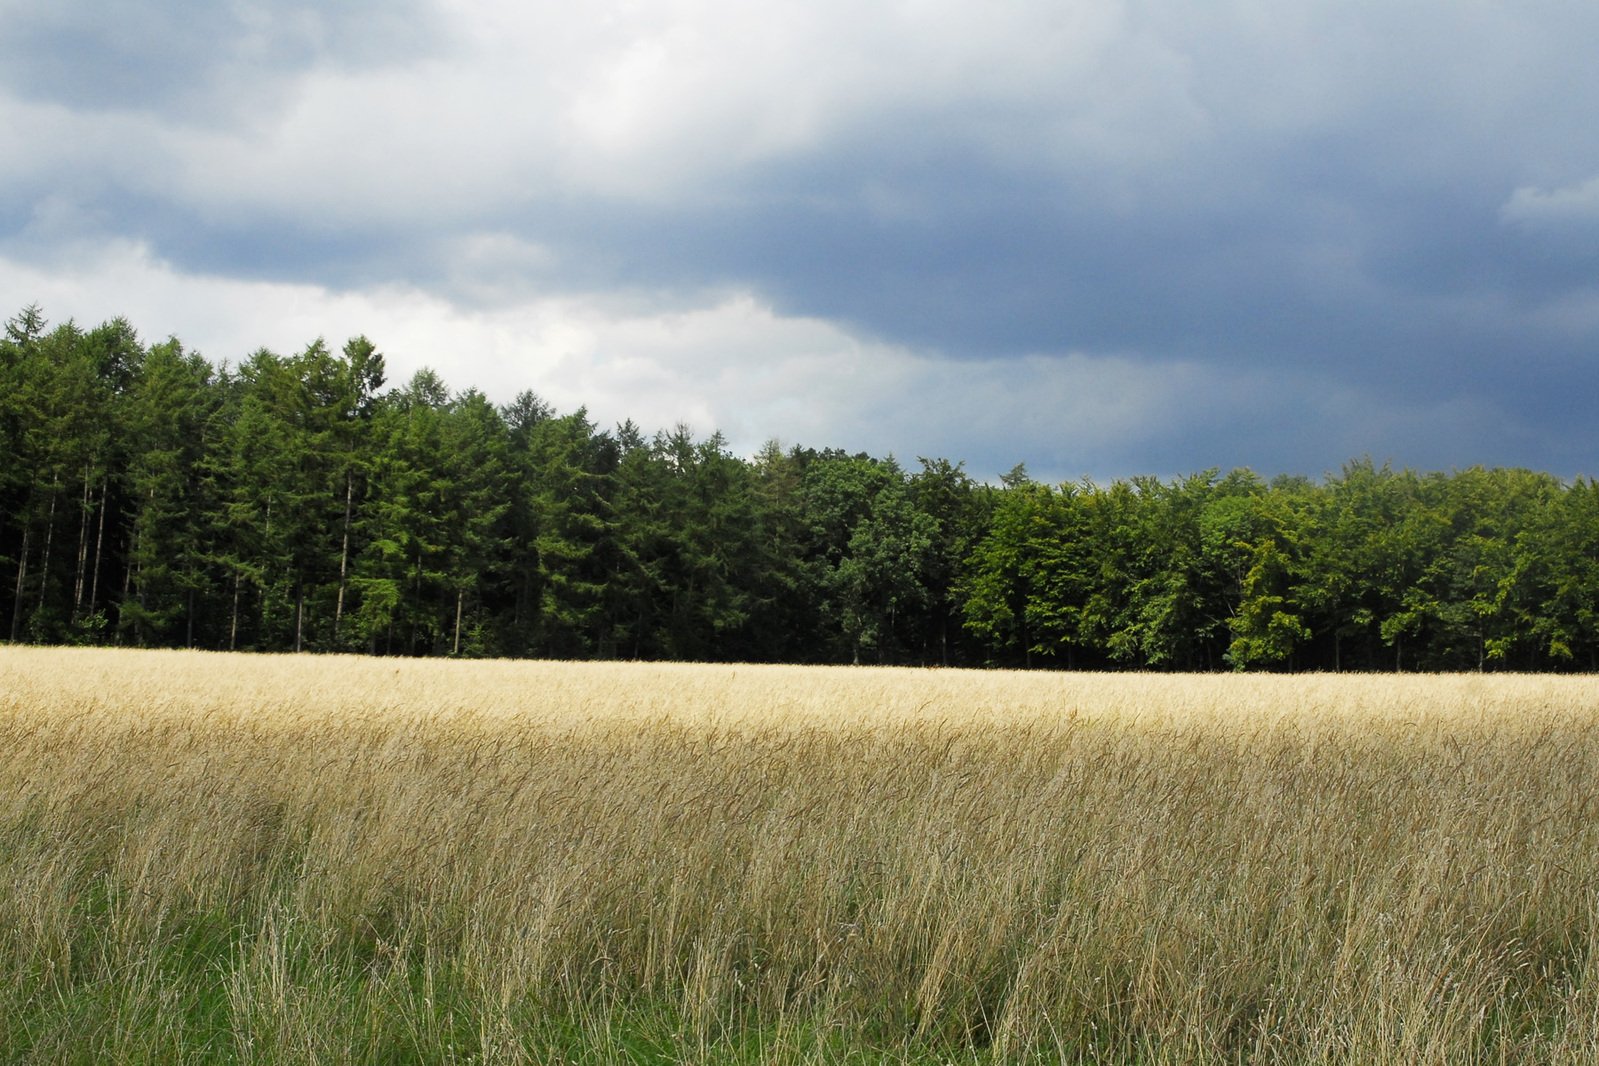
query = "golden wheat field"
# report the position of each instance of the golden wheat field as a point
(265, 859)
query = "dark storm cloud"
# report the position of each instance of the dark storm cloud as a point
(1344, 231)
(1344, 266)
(195, 58)
(1009, 264)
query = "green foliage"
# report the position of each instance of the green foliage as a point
(870, 550)
(292, 503)
(564, 471)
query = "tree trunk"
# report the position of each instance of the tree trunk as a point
(79, 580)
(460, 597)
(22, 575)
(44, 561)
(233, 622)
(144, 603)
(410, 644)
(99, 541)
(299, 616)
(266, 536)
(127, 583)
(344, 553)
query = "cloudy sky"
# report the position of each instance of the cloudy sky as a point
(1103, 237)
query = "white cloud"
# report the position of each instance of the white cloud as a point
(672, 102)
(724, 361)
(656, 102)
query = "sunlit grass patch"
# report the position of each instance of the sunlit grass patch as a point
(212, 858)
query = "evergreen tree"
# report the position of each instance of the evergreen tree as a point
(168, 422)
(476, 482)
(564, 470)
(291, 504)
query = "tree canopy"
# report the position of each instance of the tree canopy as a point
(301, 502)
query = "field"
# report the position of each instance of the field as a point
(210, 858)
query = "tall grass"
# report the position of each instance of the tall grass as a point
(209, 858)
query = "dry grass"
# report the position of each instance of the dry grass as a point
(293, 859)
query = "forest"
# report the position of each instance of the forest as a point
(301, 503)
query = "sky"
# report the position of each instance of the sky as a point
(1100, 237)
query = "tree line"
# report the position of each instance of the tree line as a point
(149, 497)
